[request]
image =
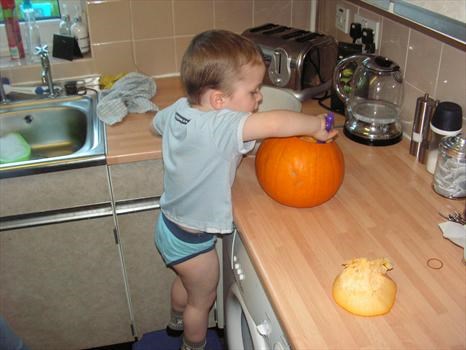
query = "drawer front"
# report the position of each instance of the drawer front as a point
(54, 190)
(137, 180)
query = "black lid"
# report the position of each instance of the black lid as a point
(381, 64)
(448, 116)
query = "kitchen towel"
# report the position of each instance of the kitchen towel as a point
(130, 94)
(455, 232)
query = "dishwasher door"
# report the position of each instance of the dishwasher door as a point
(250, 322)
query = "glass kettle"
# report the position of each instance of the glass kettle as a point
(372, 89)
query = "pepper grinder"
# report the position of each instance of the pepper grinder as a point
(425, 107)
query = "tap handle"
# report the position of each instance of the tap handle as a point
(42, 51)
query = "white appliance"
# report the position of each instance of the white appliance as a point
(250, 322)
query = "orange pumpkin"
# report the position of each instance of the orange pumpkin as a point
(298, 172)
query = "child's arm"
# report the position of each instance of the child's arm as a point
(283, 123)
(152, 127)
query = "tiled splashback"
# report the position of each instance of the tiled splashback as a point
(153, 38)
(428, 64)
(150, 36)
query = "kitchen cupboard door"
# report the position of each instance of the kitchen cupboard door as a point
(137, 180)
(61, 285)
(149, 279)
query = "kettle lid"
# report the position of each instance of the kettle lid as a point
(381, 64)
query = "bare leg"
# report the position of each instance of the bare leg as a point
(179, 299)
(199, 277)
(178, 295)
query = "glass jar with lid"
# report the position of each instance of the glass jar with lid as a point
(450, 170)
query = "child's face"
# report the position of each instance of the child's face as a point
(246, 94)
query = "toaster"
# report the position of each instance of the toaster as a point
(296, 59)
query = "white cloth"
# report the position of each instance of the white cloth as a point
(454, 232)
(130, 94)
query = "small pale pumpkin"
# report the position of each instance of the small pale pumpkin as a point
(298, 172)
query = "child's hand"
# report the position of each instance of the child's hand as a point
(326, 131)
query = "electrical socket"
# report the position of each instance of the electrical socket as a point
(369, 23)
(342, 19)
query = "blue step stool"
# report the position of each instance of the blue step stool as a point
(160, 340)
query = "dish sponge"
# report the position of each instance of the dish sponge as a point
(13, 148)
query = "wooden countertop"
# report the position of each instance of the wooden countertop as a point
(132, 139)
(384, 208)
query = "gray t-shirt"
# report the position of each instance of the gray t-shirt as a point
(201, 151)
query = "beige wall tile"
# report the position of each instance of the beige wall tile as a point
(7, 73)
(423, 61)
(114, 58)
(26, 74)
(78, 68)
(301, 14)
(411, 93)
(61, 69)
(155, 56)
(451, 83)
(234, 15)
(180, 47)
(274, 11)
(326, 17)
(109, 21)
(152, 19)
(394, 42)
(193, 16)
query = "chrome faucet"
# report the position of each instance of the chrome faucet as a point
(43, 53)
(3, 97)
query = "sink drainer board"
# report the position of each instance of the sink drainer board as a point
(61, 133)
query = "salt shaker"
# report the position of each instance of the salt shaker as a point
(450, 171)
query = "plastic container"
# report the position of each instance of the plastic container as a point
(14, 148)
(450, 171)
(13, 32)
(32, 32)
(79, 31)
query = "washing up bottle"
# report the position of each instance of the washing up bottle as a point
(65, 25)
(13, 32)
(64, 28)
(79, 31)
(32, 33)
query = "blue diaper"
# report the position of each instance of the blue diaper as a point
(177, 245)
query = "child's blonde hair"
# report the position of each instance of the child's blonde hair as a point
(213, 60)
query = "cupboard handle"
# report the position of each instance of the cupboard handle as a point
(93, 211)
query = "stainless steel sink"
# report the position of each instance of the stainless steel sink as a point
(63, 133)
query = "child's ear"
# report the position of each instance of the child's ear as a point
(217, 99)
